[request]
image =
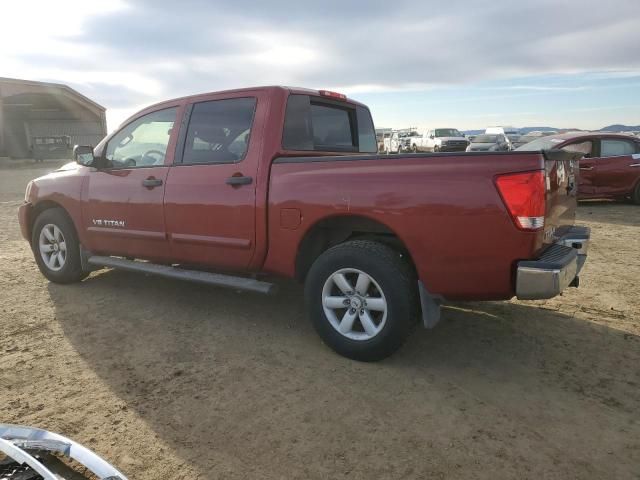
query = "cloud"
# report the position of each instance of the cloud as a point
(157, 49)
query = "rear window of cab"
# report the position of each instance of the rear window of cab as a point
(323, 125)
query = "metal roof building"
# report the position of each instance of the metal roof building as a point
(31, 109)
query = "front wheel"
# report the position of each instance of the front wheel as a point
(362, 299)
(56, 247)
(436, 148)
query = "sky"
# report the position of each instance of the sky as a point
(463, 64)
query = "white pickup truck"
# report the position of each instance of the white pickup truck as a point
(439, 140)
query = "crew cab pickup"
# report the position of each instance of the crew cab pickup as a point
(287, 182)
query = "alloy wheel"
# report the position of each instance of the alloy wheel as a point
(354, 304)
(53, 247)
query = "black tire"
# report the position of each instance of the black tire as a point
(436, 148)
(414, 149)
(397, 283)
(71, 271)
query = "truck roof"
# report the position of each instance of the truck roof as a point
(266, 88)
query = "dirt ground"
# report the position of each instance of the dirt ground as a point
(169, 380)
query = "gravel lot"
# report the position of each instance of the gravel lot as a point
(171, 380)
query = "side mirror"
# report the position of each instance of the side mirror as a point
(83, 155)
(432, 136)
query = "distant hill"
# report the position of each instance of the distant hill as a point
(620, 128)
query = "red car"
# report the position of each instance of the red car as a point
(288, 182)
(610, 167)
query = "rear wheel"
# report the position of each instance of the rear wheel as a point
(362, 299)
(436, 148)
(56, 247)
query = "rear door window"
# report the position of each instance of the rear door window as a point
(327, 126)
(616, 148)
(219, 131)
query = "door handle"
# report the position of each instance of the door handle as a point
(151, 182)
(236, 181)
(586, 168)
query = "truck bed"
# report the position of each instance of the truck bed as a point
(444, 207)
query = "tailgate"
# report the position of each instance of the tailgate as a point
(561, 172)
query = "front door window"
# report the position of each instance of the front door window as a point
(142, 143)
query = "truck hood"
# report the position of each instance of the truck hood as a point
(68, 169)
(69, 166)
(65, 181)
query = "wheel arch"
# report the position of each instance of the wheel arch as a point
(40, 207)
(336, 229)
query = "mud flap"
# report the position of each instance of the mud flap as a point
(84, 260)
(430, 307)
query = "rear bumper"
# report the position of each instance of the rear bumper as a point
(23, 217)
(556, 269)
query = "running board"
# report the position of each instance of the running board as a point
(208, 278)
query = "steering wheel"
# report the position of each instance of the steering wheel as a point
(151, 153)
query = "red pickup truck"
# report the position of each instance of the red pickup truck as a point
(220, 187)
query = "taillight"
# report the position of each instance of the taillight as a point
(524, 196)
(330, 94)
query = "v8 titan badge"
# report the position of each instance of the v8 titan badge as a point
(108, 223)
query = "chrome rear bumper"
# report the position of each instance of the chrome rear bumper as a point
(556, 269)
(24, 444)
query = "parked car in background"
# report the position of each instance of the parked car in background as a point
(52, 146)
(610, 167)
(380, 138)
(513, 137)
(409, 141)
(502, 130)
(440, 140)
(391, 143)
(288, 182)
(489, 143)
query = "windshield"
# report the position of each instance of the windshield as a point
(543, 143)
(447, 132)
(485, 139)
